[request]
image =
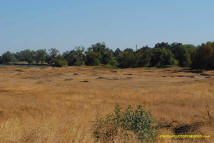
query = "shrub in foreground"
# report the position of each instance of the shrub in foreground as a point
(128, 125)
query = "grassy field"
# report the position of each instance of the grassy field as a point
(58, 105)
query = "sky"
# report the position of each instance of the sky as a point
(64, 24)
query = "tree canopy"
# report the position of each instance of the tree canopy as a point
(162, 54)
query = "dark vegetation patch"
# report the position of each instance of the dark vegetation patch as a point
(186, 76)
(1, 113)
(33, 78)
(84, 81)
(115, 78)
(3, 90)
(68, 79)
(187, 128)
(19, 70)
(107, 78)
(100, 77)
(162, 55)
(128, 74)
(204, 74)
(181, 128)
(187, 71)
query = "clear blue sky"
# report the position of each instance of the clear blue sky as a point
(64, 24)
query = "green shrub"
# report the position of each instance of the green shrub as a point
(92, 58)
(127, 59)
(130, 122)
(60, 62)
(113, 62)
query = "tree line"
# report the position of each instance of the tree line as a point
(161, 55)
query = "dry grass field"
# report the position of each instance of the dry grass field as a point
(58, 105)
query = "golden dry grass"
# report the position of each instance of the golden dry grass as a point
(58, 105)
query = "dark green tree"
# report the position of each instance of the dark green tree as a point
(99, 54)
(162, 57)
(106, 53)
(162, 45)
(0, 59)
(26, 55)
(107, 56)
(144, 56)
(52, 56)
(117, 52)
(92, 58)
(127, 59)
(191, 50)
(204, 57)
(7, 57)
(40, 56)
(60, 62)
(75, 57)
(181, 54)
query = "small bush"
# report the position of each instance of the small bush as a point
(113, 63)
(60, 62)
(129, 124)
